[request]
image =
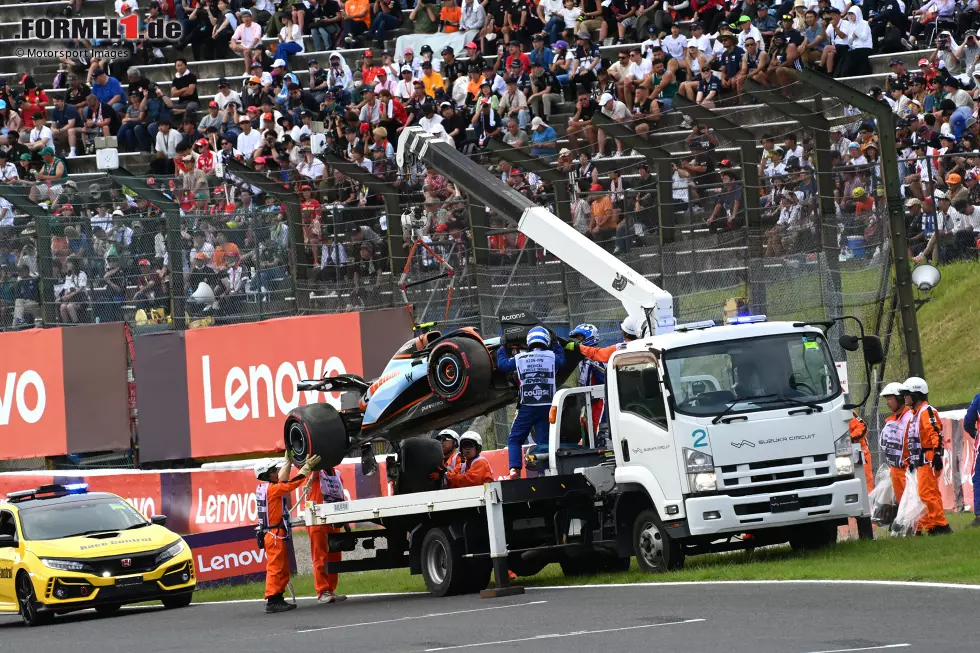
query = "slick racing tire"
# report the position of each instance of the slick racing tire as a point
(316, 429)
(417, 459)
(459, 368)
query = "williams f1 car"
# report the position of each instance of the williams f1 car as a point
(433, 381)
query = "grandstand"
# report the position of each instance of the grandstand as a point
(724, 199)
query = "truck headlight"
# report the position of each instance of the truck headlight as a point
(705, 482)
(842, 445)
(64, 565)
(697, 461)
(169, 552)
(845, 466)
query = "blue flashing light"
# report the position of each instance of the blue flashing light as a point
(746, 319)
(75, 488)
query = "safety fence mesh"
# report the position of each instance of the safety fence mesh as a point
(228, 249)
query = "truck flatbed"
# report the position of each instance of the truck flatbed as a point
(474, 529)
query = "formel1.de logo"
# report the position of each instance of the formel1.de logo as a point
(114, 29)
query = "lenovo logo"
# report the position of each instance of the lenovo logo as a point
(743, 443)
(29, 405)
(257, 391)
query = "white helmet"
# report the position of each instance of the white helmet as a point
(631, 326)
(448, 433)
(263, 467)
(916, 384)
(472, 436)
(893, 390)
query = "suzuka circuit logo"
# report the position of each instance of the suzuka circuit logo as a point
(88, 29)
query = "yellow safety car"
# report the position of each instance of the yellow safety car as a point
(63, 549)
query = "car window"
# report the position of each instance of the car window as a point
(54, 521)
(640, 391)
(8, 526)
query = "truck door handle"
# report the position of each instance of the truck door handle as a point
(626, 449)
(801, 411)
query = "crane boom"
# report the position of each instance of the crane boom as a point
(641, 298)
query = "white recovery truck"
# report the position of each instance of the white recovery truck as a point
(718, 438)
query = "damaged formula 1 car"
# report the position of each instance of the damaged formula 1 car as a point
(433, 381)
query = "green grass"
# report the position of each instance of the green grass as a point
(950, 559)
(947, 328)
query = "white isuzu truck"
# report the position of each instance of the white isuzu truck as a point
(716, 438)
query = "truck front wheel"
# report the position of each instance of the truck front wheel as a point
(442, 563)
(813, 537)
(655, 550)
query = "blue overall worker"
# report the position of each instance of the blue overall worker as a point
(970, 426)
(590, 372)
(536, 370)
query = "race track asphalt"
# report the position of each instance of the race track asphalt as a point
(675, 618)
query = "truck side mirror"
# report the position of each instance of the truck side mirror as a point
(7, 541)
(848, 343)
(873, 352)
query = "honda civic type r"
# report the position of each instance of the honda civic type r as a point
(64, 549)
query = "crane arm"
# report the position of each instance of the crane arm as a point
(641, 298)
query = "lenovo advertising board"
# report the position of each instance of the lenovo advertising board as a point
(63, 391)
(225, 391)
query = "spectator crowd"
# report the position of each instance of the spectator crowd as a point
(530, 75)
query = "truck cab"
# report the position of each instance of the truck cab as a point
(732, 435)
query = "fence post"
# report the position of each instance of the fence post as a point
(885, 122)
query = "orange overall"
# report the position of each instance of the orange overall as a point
(471, 473)
(859, 434)
(926, 433)
(276, 553)
(319, 547)
(452, 461)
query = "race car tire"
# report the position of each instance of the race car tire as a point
(29, 607)
(315, 429)
(459, 368)
(418, 458)
(175, 602)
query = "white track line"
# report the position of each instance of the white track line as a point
(579, 633)
(422, 616)
(700, 583)
(864, 648)
(355, 597)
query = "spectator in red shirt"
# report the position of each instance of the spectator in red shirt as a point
(35, 99)
(516, 54)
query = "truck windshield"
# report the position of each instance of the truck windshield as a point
(754, 374)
